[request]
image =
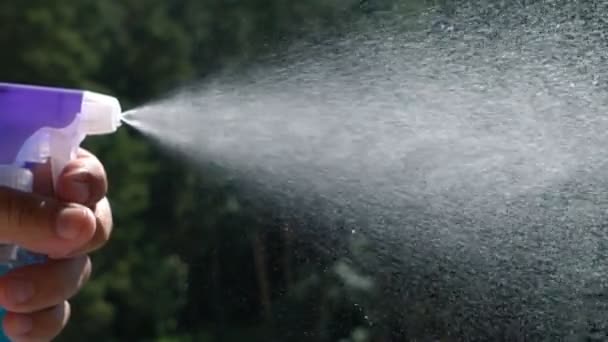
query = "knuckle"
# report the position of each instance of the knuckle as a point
(98, 185)
(51, 322)
(56, 315)
(97, 173)
(81, 271)
(104, 222)
(66, 310)
(104, 233)
(101, 238)
(86, 272)
(61, 316)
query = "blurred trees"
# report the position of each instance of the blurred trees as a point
(187, 262)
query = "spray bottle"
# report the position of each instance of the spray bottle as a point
(39, 125)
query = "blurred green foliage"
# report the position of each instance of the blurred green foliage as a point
(186, 262)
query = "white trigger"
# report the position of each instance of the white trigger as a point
(63, 145)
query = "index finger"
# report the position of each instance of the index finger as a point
(82, 181)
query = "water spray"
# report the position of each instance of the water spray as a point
(472, 160)
(45, 125)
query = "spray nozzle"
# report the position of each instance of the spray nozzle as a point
(101, 114)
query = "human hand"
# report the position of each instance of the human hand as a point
(66, 224)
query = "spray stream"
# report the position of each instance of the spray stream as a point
(471, 152)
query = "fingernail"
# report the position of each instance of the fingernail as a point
(80, 191)
(69, 223)
(78, 186)
(22, 325)
(19, 291)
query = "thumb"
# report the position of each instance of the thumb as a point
(43, 225)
